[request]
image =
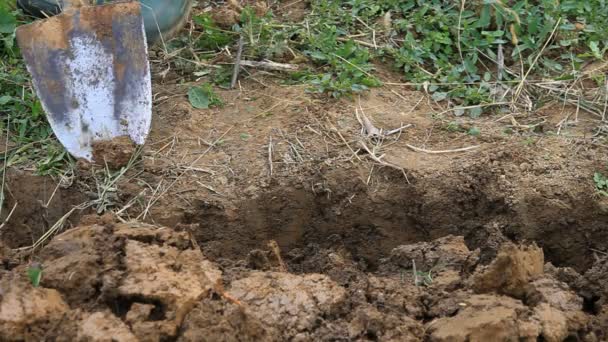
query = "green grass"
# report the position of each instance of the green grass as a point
(31, 140)
(456, 53)
(451, 51)
(203, 97)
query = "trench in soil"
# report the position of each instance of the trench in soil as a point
(313, 216)
(338, 209)
(342, 212)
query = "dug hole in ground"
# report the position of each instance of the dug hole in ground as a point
(280, 217)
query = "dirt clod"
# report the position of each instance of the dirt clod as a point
(115, 153)
(371, 322)
(292, 303)
(486, 318)
(444, 252)
(26, 311)
(221, 321)
(158, 285)
(512, 270)
(104, 327)
(141, 291)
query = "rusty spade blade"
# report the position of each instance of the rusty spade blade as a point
(90, 69)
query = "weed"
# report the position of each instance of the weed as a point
(203, 97)
(221, 76)
(529, 141)
(457, 53)
(424, 278)
(445, 44)
(474, 131)
(213, 38)
(8, 23)
(601, 183)
(420, 277)
(34, 273)
(345, 66)
(453, 127)
(339, 67)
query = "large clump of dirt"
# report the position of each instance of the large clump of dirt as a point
(136, 282)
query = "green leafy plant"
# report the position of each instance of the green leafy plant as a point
(221, 76)
(346, 66)
(203, 97)
(474, 131)
(453, 127)
(343, 66)
(423, 278)
(8, 23)
(457, 51)
(453, 52)
(601, 183)
(213, 37)
(34, 274)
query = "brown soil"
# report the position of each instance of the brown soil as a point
(157, 285)
(114, 153)
(349, 231)
(508, 239)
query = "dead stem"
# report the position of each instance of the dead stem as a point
(8, 217)
(237, 64)
(270, 149)
(456, 150)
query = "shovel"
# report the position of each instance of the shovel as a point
(90, 70)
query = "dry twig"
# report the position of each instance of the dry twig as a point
(8, 217)
(237, 64)
(464, 149)
(270, 165)
(270, 65)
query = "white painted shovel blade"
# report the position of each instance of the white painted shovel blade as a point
(91, 72)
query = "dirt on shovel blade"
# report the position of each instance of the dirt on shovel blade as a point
(116, 153)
